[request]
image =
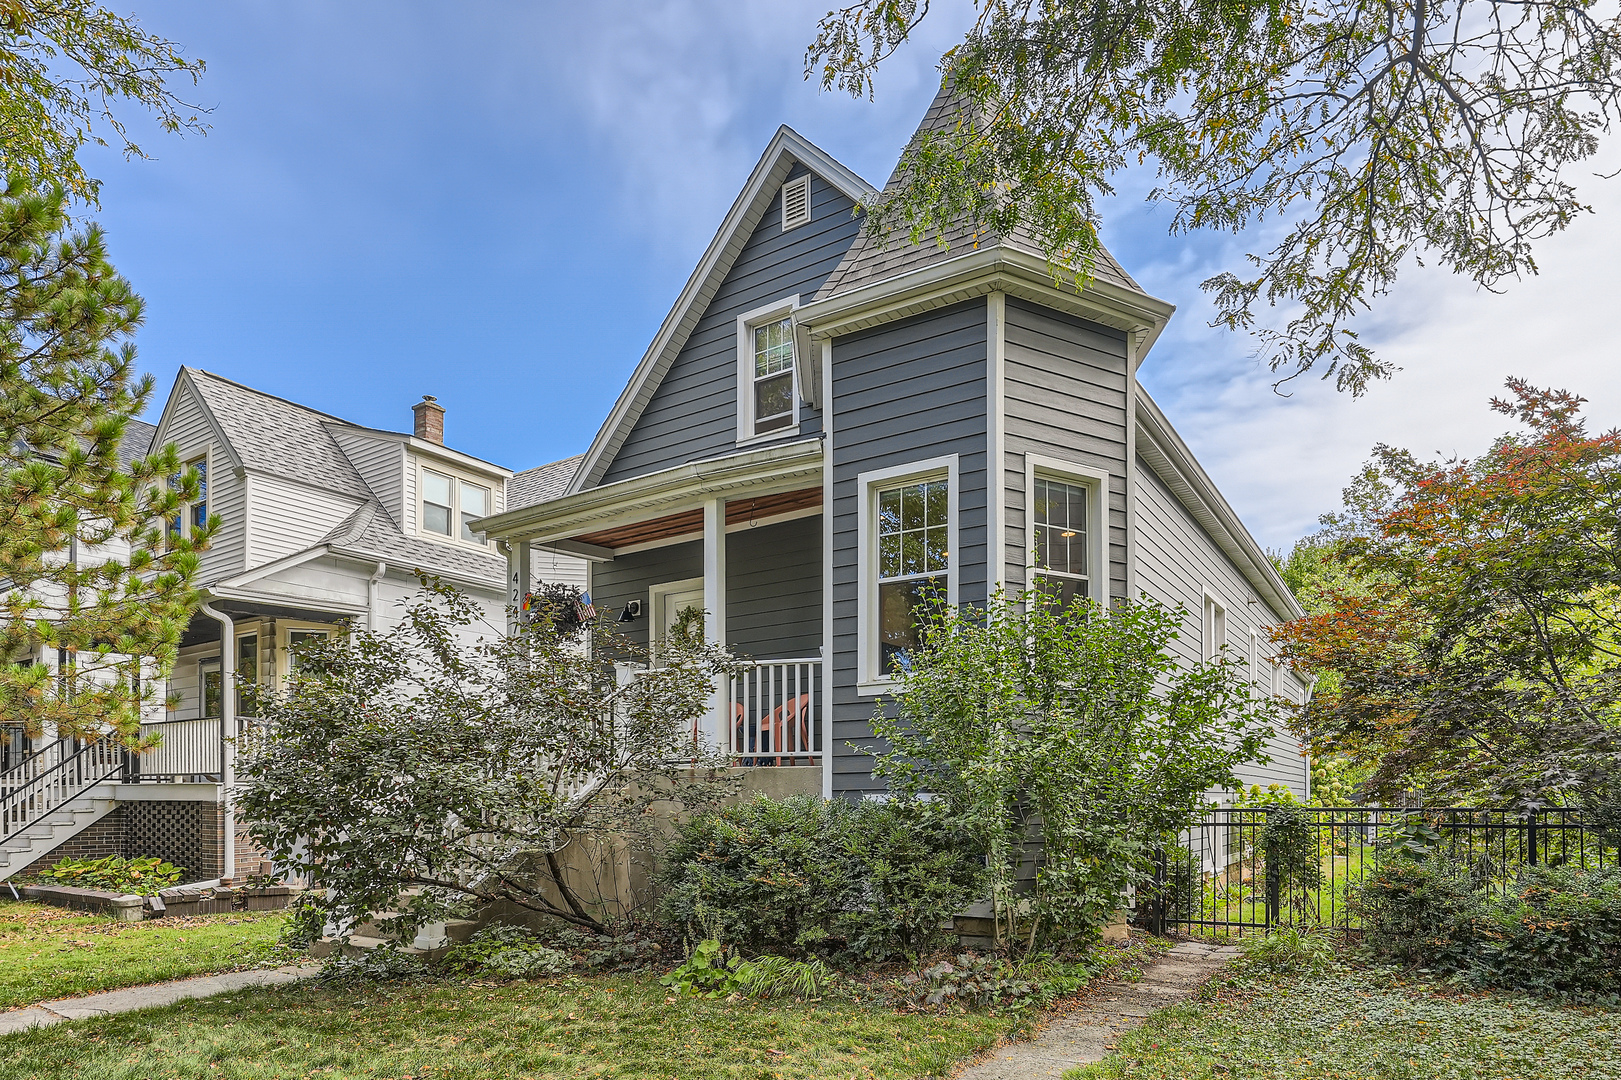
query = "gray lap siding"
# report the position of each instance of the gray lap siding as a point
(1064, 394)
(904, 392)
(773, 587)
(693, 412)
(1177, 560)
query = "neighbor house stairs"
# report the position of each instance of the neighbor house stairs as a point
(53, 795)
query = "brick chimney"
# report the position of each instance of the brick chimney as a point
(430, 420)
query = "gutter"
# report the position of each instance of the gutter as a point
(227, 732)
(372, 584)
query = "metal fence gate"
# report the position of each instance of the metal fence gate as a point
(1229, 876)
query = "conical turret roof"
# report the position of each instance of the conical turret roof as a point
(875, 258)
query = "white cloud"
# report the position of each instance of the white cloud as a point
(1282, 462)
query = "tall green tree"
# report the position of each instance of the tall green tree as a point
(1371, 132)
(95, 590)
(65, 66)
(1479, 656)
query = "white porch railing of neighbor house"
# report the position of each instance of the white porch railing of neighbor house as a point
(774, 713)
(189, 748)
(52, 777)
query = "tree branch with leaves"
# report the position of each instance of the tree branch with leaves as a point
(1371, 132)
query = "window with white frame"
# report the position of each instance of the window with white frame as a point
(1062, 540)
(193, 515)
(295, 638)
(767, 399)
(1214, 634)
(908, 520)
(450, 503)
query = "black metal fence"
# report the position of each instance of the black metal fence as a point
(1234, 874)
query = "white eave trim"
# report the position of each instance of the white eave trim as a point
(1165, 452)
(772, 468)
(786, 147)
(978, 273)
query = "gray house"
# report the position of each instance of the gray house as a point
(324, 525)
(824, 428)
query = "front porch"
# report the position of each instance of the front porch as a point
(738, 543)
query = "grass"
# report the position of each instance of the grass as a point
(50, 952)
(1362, 1025)
(622, 1026)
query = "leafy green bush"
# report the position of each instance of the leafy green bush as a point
(1287, 951)
(708, 972)
(373, 965)
(142, 876)
(979, 981)
(807, 877)
(1557, 932)
(507, 952)
(1417, 913)
(1294, 863)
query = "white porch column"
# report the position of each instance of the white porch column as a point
(715, 604)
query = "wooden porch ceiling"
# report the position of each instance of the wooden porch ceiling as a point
(739, 511)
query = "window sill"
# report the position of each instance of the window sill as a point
(466, 545)
(779, 433)
(875, 687)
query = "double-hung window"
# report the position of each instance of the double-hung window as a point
(1068, 559)
(450, 504)
(1214, 631)
(1062, 540)
(768, 402)
(909, 523)
(193, 515)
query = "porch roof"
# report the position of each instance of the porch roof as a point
(660, 500)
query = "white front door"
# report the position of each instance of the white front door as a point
(669, 603)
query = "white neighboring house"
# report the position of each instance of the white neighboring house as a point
(324, 524)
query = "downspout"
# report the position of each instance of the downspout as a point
(373, 584)
(227, 731)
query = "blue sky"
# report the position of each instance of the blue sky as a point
(497, 202)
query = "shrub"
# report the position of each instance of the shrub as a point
(1558, 931)
(1288, 951)
(1417, 913)
(373, 965)
(1294, 864)
(142, 876)
(806, 877)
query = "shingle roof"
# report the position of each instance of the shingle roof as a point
(875, 258)
(542, 483)
(137, 442)
(276, 436)
(370, 533)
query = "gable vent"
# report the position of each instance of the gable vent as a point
(796, 202)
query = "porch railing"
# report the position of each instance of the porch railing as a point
(52, 778)
(774, 711)
(189, 748)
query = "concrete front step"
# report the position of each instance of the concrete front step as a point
(368, 936)
(62, 825)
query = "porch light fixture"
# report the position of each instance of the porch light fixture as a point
(632, 612)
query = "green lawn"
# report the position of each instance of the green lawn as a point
(49, 952)
(574, 1027)
(1365, 1026)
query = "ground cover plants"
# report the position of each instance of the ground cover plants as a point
(1353, 1025)
(49, 952)
(140, 876)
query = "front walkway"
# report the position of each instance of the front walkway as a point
(146, 997)
(1089, 1033)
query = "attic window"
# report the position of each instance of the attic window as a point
(796, 203)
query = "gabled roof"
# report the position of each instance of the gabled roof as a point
(786, 147)
(273, 435)
(875, 258)
(542, 483)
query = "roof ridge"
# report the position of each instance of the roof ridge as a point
(272, 397)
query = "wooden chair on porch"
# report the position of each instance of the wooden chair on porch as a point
(786, 730)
